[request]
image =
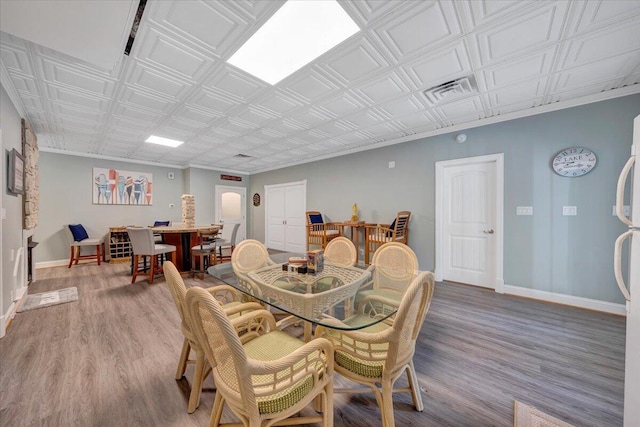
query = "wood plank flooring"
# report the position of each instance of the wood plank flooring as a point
(109, 359)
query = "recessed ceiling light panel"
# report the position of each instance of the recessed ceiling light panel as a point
(299, 32)
(164, 141)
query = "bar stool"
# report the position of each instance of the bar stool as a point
(203, 251)
(143, 245)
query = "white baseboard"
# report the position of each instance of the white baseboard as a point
(54, 263)
(590, 304)
(4, 319)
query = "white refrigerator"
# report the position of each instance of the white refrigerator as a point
(630, 176)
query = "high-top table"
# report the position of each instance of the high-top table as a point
(324, 299)
(183, 238)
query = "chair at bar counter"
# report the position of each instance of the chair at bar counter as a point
(158, 237)
(227, 240)
(225, 295)
(378, 235)
(143, 245)
(319, 233)
(203, 251)
(264, 376)
(78, 237)
(378, 355)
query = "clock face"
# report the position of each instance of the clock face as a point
(574, 161)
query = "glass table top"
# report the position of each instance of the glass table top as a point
(331, 298)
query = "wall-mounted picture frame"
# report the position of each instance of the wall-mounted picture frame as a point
(15, 181)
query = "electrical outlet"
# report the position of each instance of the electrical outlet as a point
(524, 210)
(569, 210)
(626, 210)
(392, 165)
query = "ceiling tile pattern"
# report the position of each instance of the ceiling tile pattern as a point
(366, 92)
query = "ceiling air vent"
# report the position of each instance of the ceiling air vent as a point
(243, 156)
(458, 88)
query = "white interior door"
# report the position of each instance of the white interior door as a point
(231, 208)
(274, 198)
(469, 224)
(285, 222)
(295, 220)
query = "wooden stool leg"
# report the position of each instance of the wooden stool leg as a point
(152, 270)
(71, 256)
(134, 269)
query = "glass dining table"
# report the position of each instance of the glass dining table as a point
(325, 298)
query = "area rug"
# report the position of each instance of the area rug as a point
(47, 299)
(528, 416)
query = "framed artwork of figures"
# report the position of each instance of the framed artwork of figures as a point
(16, 172)
(118, 187)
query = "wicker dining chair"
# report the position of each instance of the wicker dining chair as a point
(341, 251)
(392, 269)
(378, 235)
(378, 355)
(266, 375)
(227, 297)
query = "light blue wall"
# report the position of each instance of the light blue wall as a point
(11, 230)
(547, 251)
(66, 185)
(66, 197)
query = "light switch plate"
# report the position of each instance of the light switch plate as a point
(392, 165)
(569, 210)
(626, 210)
(524, 210)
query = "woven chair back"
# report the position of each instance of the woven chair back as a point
(394, 267)
(249, 255)
(178, 291)
(341, 251)
(221, 345)
(409, 319)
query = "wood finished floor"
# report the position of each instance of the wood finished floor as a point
(109, 359)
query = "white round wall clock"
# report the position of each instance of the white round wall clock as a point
(574, 162)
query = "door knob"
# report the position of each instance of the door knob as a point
(488, 232)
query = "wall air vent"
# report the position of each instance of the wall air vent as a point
(243, 156)
(134, 26)
(454, 89)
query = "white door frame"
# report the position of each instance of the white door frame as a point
(266, 203)
(219, 189)
(498, 159)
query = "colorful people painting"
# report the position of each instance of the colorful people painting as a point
(117, 187)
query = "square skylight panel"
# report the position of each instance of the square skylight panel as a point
(164, 141)
(299, 32)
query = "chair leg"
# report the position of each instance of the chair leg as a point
(134, 269)
(413, 385)
(98, 254)
(216, 411)
(198, 379)
(152, 268)
(78, 251)
(387, 405)
(184, 357)
(71, 255)
(328, 413)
